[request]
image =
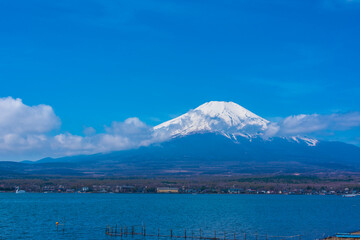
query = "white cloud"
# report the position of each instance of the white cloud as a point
(131, 126)
(18, 118)
(131, 133)
(314, 123)
(25, 132)
(17, 143)
(89, 131)
(23, 128)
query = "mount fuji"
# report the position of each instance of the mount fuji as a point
(225, 118)
(216, 138)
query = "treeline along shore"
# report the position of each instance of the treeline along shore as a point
(280, 184)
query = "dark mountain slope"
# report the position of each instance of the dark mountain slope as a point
(203, 154)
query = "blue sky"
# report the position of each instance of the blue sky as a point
(95, 62)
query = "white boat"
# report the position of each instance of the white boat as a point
(19, 191)
(350, 195)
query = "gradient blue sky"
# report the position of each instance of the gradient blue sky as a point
(96, 62)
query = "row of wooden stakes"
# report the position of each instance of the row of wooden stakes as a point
(130, 231)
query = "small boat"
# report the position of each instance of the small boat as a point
(19, 191)
(350, 195)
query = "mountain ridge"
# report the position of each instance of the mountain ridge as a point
(204, 154)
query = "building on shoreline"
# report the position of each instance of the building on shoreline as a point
(167, 190)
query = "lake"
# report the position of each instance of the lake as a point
(33, 215)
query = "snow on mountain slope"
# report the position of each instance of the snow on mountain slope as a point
(226, 118)
(309, 141)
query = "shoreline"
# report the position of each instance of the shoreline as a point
(155, 193)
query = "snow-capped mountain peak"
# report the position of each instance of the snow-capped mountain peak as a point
(227, 118)
(232, 113)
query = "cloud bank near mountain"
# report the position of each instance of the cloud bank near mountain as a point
(313, 124)
(129, 134)
(29, 132)
(24, 127)
(33, 132)
(18, 118)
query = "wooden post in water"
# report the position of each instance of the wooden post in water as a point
(121, 233)
(185, 233)
(224, 235)
(192, 234)
(158, 232)
(234, 237)
(200, 233)
(171, 233)
(265, 236)
(255, 235)
(245, 236)
(144, 230)
(299, 237)
(215, 234)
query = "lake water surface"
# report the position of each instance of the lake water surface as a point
(33, 215)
